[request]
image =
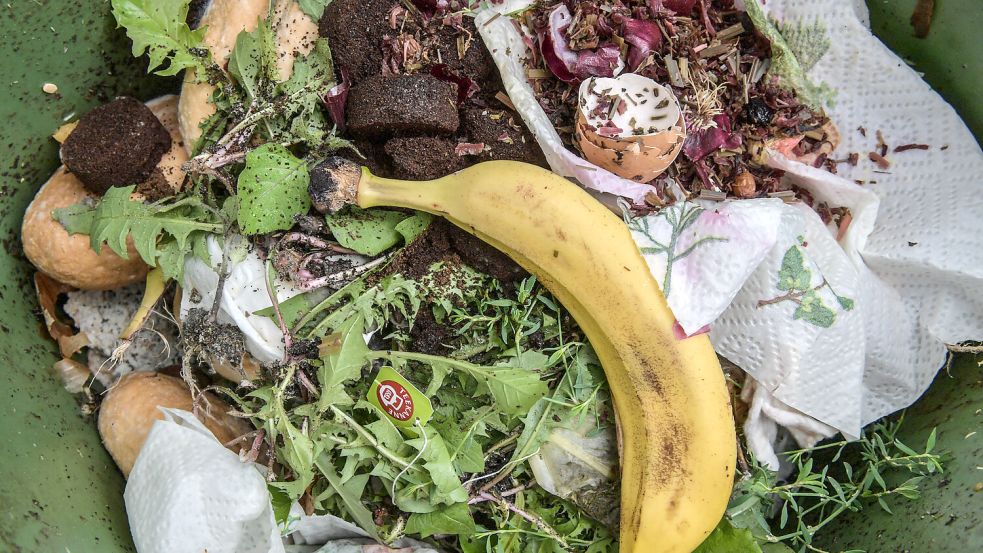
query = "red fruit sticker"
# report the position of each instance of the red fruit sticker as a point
(395, 400)
(403, 404)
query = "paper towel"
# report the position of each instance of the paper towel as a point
(906, 277)
(687, 240)
(187, 494)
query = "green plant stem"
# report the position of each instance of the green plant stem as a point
(368, 437)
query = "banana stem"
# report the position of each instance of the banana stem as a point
(375, 191)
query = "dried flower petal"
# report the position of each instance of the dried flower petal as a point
(570, 66)
(469, 149)
(703, 142)
(560, 59)
(336, 98)
(466, 87)
(431, 7)
(600, 62)
(644, 37)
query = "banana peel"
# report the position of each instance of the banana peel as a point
(673, 409)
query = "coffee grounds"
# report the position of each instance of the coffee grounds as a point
(384, 106)
(442, 241)
(156, 187)
(477, 64)
(116, 144)
(355, 29)
(423, 157)
(503, 134)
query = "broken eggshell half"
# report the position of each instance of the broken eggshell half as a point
(629, 125)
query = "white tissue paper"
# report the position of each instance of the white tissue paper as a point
(245, 293)
(835, 334)
(187, 493)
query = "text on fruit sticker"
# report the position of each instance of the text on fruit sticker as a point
(402, 402)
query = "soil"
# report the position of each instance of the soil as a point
(383, 106)
(202, 339)
(116, 144)
(423, 157)
(429, 336)
(156, 187)
(355, 30)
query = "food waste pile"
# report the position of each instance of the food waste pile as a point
(257, 250)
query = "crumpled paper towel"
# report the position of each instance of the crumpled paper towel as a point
(861, 333)
(245, 293)
(187, 493)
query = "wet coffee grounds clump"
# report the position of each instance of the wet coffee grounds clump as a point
(116, 144)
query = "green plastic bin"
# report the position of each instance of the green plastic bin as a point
(59, 490)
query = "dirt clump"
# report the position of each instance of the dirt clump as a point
(502, 133)
(355, 30)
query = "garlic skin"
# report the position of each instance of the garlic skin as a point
(629, 125)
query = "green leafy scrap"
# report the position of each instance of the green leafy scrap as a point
(162, 233)
(281, 505)
(297, 113)
(291, 309)
(784, 64)
(367, 231)
(272, 190)
(410, 481)
(253, 60)
(451, 519)
(831, 479)
(313, 8)
(725, 538)
(413, 226)
(514, 390)
(159, 28)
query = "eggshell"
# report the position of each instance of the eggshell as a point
(637, 163)
(640, 158)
